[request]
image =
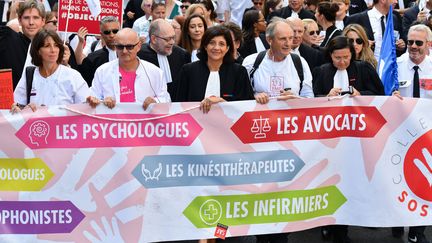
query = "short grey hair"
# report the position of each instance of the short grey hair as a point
(270, 31)
(422, 28)
(108, 19)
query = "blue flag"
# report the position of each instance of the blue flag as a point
(387, 65)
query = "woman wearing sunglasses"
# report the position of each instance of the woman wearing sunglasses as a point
(50, 82)
(357, 36)
(215, 77)
(311, 35)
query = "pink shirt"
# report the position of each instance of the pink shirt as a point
(127, 86)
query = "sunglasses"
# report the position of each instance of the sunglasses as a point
(107, 32)
(314, 32)
(147, 5)
(184, 6)
(128, 47)
(54, 22)
(417, 42)
(258, 3)
(358, 41)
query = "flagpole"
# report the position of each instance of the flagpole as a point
(67, 22)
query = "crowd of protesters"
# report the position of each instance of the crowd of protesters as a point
(179, 51)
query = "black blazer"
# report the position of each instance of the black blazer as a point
(234, 82)
(363, 20)
(285, 12)
(176, 60)
(91, 63)
(135, 7)
(13, 52)
(331, 33)
(248, 47)
(357, 6)
(361, 75)
(313, 57)
(409, 17)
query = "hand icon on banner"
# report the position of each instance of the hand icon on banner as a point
(107, 235)
(426, 170)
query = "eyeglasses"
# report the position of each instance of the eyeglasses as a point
(167, 39)
(107, 32)
(358, 41)
(258, 3)
(128, 47)
(54, 22)
(314, 32)
(184, 6)
(417, 42)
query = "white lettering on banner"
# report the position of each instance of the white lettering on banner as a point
(86, 16)
(53, 216)
(239, 210)
(241, 168)
(174, 170)
(123, 130)
(339, 123)
(21, 174)
(285, 206)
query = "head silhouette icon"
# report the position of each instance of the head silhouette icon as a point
(39, 131)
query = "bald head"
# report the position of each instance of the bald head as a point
(127, 46)
(298, 28)
(126, 36)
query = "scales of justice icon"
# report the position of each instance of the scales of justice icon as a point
(260, 127)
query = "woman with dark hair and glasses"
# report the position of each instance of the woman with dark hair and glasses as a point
(326, 18)
(334, 78)
(253, 27)
(357, 36)
(51, 82)
(215, 77)
(192, 33)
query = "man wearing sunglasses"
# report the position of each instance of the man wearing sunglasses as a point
(414, 74)
(162, 52)
(128, 79)
(257, 5)
(313, 56)
(105, 50)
